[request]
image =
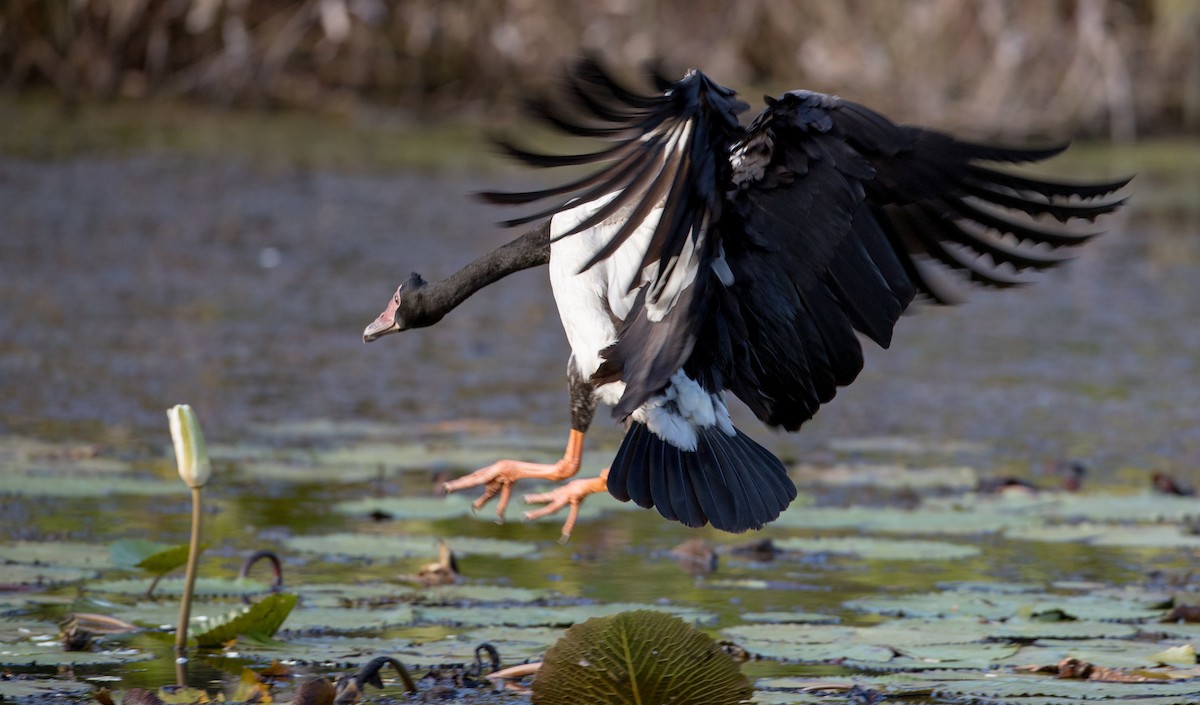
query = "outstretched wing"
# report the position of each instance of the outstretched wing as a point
(840, 217)
(668, 152)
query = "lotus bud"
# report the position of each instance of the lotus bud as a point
(191, 455)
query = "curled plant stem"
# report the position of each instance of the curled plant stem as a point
(189, 582)
(276, 567)
(370, 673)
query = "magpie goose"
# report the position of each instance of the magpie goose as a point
(702, 257)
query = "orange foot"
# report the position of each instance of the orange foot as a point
(572, 493)
(498, 478)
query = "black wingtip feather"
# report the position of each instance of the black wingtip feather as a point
(730, 482)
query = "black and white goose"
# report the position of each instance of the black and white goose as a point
(706, 257)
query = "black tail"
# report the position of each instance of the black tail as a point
(730, 481)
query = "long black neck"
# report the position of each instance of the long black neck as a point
(434, 300)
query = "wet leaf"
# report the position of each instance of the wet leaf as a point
(647, 655)
(429, 508)
(14, 687)
(306, 619)
(166, 560)
(82, 486)
(393, 547)
(790, 617)
(205, 587)
(1183, 655)
(18, 574)
(556, 616)
(49, 652)
(59, 553)
(260, 621)
(879, 549)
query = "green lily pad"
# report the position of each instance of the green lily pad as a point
(72, 554)
(384, 547)
(205, 587)
(892, 477)
(50, 652)
(428, 508)
(355, 594)
(638, 657)
(557, 616)
(29, 485)
(44, 689)
(1020, 629)
(258, 621)
(47, 575)
(346, 621)
(459, 594)
(879, 549)
(327, 651)
(790, 618)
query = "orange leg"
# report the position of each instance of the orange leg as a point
(572, 493)
(498, 478)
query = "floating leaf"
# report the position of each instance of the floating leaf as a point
(393, 547)
(205, 587)
(82, 486)
(879, 549)
(556, 616)
(43, 689)
(790, 617)
(428, 508)
(59, 553)
(50, 653)
(260, 621)
(638, 656)
(342, 620)
(167, 560)
(1184, 655)
(19, 574)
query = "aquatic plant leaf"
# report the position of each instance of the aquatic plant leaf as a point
(892, 477)
(49, 652)
(1024, 630)
(428, 508)
(879, 549)
(550, 616)
(321, 620)
(20, 574)
(43, 689)
(640, 656)
(82, 486)
(1109, 653)
(380, 546)
(72, 554)
(260, 621)
(458, 594)
(169, 559)
(370, 594)
(1183, 655)
(205, 587)
(904, 445)
(329, 651)
(790, 617)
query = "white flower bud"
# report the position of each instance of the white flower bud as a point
(191, 455)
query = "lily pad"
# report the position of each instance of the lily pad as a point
(346, 621)
(638, 657)
(384, 547)
(557, 616)
(20, 574)
(30, 485)
(428, 508)
(13, 687)
(259, 621)
(73, 554)
(205, 587)
(879, 549)
(50, 653)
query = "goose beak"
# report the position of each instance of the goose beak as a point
(380, 327)
(386, 323)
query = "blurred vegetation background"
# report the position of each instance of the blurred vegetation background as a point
(1107, 68)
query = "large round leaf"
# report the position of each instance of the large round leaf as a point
(639, 656)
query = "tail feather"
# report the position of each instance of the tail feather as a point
(729, 481)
